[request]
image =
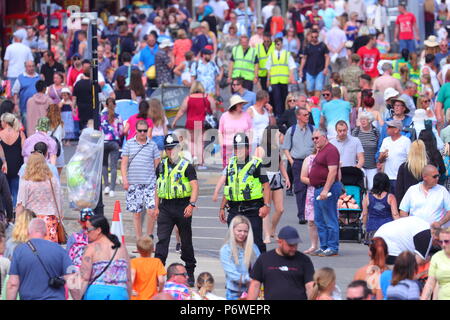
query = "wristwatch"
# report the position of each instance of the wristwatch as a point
(192, 204)
(267, 205)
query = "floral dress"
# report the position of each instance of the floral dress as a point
(309, 205)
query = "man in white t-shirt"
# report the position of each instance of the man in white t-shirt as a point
(427, 200)
(406, 234)
(220, 9)
(393, 151)
(16, 55)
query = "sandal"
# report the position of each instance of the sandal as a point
(310, 250)
(267, 240)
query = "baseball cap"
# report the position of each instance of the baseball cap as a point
(86, 214)
(395, 123)
(289, 234)
(85, 21)
(66, 90)
(21, 34)
(206, 51)
(260, 26)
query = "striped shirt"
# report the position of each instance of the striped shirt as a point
(141, 169)
(369, 141)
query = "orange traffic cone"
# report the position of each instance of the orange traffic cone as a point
(117, 225)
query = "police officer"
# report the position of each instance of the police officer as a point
(246, 190)
(176, 194)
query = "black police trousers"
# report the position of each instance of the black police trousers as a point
(171, 215)
(256, 222)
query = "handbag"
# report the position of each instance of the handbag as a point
(60, 230)
(210, 121)
(151, 73)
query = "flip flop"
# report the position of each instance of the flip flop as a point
(310, 250)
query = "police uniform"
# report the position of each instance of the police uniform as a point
(174, 192)
(244, 192)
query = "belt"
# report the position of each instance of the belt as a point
(319, 186)
(298, 159)
(356, 90)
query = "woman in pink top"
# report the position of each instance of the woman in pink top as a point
(231, 122)
(130, 126)
(40, 192)
(181, 46)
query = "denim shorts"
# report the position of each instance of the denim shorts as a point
(314, 83)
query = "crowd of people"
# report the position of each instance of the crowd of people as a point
(318, 89)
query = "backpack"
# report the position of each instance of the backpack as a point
(58, 145)
(310, 126)
(77, 249)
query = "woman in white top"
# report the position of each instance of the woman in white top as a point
(262, 116)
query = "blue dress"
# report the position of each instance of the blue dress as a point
(379, 213)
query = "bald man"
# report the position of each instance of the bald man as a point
(428, 200)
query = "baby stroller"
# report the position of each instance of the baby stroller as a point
(350, 205)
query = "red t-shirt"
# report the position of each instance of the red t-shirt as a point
(72, 76)
(328, 156)
(369, 60)
(406, 23)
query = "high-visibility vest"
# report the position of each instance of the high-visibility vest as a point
(244, 66)
(262, 58)
(173, 185)
(279, 71)
(241, 184)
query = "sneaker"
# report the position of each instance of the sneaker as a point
(151, 236)
(191, 280)
(111, 194)
(328, 253)
(318, 252)
(289, 193)
(178, 248)
(302, 221)
(107, 190)
(202, 167)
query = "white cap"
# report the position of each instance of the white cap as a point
(85, 21)
(20, 34)
(66, 90)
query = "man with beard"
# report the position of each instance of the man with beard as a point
(206, 72)
(281, 268)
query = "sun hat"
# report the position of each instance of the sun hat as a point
(166, 43)
(66, 90)
(395, 123)
(402, 101)
(236, 99)
(431, 41)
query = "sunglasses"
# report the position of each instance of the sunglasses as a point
(184, 274)
(235, 84)
(435, 176)
(315, 138)
(292, 100)
(425, 100)
(90, 229)
(142, 130)
(325, 94)
(442, 242)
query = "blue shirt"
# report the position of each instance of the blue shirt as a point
(206, 74)
(248, 96)
(235, 273)
(385, 282)
(32, 275)
(148, 56)
(198, 43)
(336, 110)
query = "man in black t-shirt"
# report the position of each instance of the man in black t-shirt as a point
(315, 61)
(286, 273)
(50, 67)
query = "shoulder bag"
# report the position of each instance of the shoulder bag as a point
(60, 230)
(135, 155)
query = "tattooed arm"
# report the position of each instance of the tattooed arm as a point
(86, 267)
(428, 289)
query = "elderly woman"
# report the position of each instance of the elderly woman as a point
(368, 135)
(233, 121)
(39, 191)
(229, 41)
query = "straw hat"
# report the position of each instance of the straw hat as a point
(236, 99)
(431, 42)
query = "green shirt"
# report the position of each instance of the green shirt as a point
(444, 96)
